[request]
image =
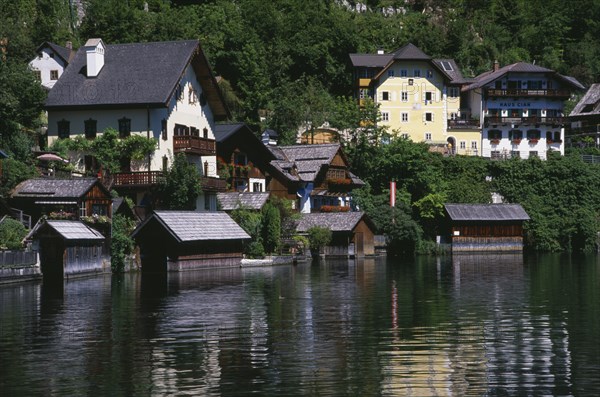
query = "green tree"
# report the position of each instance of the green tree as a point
(12, 233)
(13, 173)
(318, 237)
(271, 228)
(180, 187)
(251, 222)
(121, 243)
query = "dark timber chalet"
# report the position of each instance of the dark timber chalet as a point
(486, 227)
(185, 240)
(352, 232)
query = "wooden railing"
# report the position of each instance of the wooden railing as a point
(194, 145)
(472, 124)
(140, 178)
(524, 93)
(212, 184)
(524, 120)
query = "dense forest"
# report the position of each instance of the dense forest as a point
(288, 60)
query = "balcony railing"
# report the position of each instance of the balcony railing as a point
(471, 124)
(527, 93)
(212, 184)
(524, 120)
(137, 179)
(193, 144)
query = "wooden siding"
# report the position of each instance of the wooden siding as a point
(487, 244)
(278, 189)
(82, 260)
(488, 230)
(338, 161)
(368, 239)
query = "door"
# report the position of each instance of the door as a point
(359, 244)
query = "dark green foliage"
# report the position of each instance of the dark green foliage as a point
(12, 232)
(251, 222)
(271, 228)
(401, 231)
(121, 244)
(318, 237)
(180, 187)
(13, 173)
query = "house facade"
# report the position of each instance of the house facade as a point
(419, 98)
(163, 91)
(50, 62)
(522, 109)
(585, 117)
(315, 177)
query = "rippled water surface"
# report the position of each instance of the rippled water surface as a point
(472, 325)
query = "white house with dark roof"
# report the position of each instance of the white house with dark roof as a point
(50, 62)
(164, 91)
(522, 109)
(585, 116)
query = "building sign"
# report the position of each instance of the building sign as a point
(514, 105)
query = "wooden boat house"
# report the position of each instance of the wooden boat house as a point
(68, 249)
(353, 233)
(186, 240)
(486, 227)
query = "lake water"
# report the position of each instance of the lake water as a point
(470, 325)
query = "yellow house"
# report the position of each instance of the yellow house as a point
(419, 98)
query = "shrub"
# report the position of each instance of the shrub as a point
(318, 237)
(121, 245)
(12, 232)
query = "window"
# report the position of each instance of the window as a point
(385, 116)
(463, 144)
(405, 135)
(82, 211)
(124, 127)
(428, 116)
(179, 92)
(533, 153)
(403, 73)
(428, 97)
(163, 129)
(364, 93)
(205, 133)
(100, 209)
(447, 66)
(54, 75)
(192, 97)
(428, 136)
(429, 73)
(257, 187)
(165, 163)
(496, 154)
(385, 96)
(210, 202)
(404, 96)
(404, 117)
(417, 73)
(474, 145)
(240, 159)
(515, 154)
(391, 73)
(38, 75)
(64, 129)
(181, 129)
(411, 82)
(453, 92)
(534, 84)
(90, 128)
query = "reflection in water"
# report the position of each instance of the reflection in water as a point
(462, 325)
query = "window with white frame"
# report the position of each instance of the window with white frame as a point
(405, 135)
(417, 73)
(391, 73)
(404, 95)
(385, 96)
(428, 136)
(428, 97)
(364, 93)
(404, 117)
(474, 145)
(463, 144)
(403, 72)
(453, 92)
(429, 73)
(385, 116)
(428, 116)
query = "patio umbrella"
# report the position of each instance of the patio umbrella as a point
(51, 157)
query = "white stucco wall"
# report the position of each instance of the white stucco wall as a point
(45, 62)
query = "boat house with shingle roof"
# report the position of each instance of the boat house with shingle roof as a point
(185, 240)
(353, 233)
(485, 227)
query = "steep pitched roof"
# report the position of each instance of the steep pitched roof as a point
(306, 159)
(189, 226)
(224, 131)
(336, 221)
(136, 74)
(519, 67)
(486, 212)
(410, 52)
(370, 60)
(451, 69)
(250, 200)
(589, 104)
(66, 54)
(55, 188)
(69, 230)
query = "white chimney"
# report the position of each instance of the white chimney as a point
(94, 56)
(380, 51)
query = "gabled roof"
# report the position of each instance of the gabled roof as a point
(249, 200)
(451, 69)
(334, 221)
(307, 159)
(56, 188)
(224, 131)
(589, 104)
(190, 226)
(68, 230)
(410, 52)
(486, 212)
(370, 60)
(66, 54)
(136, 74)
(519, 67)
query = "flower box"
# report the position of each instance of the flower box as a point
(494, 141)
(334, 208)
(516, 141)
(533, 141)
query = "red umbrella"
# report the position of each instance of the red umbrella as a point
(51, 157)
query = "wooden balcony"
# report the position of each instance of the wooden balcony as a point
(212, 184)
(137, 179)
(194, 145)
(469, 124)
(493, 120)
(492, 92)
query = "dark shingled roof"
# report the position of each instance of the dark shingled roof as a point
(224, 131)
(589, 104)
(133, 75)
(455, 75)
(486, 212)
(54, 188)
(188, 226)
(334, 221)
(410, 51)
(249, 200)
(69, 230)
(308, 159)
(370, 60)
(519, 67)
(63, 52)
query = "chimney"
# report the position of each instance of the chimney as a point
(496, 65)
(69, 45)
(380, 51)
(94, 56)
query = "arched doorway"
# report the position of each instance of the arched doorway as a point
(451, 145)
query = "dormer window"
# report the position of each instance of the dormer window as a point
(90, 128)
(124, 127)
